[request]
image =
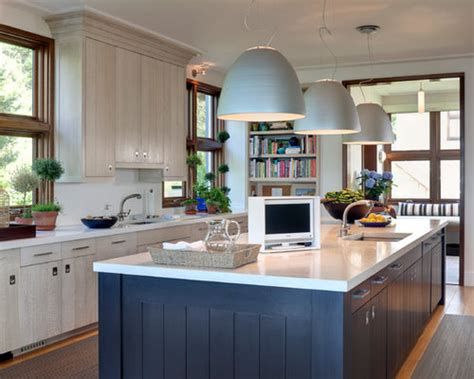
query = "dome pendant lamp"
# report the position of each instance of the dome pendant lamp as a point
(329, 106)
(261, 86)
(376, 128)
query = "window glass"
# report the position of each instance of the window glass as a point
(412, 131)
(202, 170)
(204, 115)
(15, 153)
(411, 179)
(354, 165)
(16, 80)
(450, 130)
(174, 189)
(450, 178)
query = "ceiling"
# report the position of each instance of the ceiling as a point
(411, 87)
(410, 29)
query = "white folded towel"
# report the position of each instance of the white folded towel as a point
(182, 245)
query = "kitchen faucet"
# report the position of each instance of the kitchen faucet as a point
(122, 214)
(345, 227)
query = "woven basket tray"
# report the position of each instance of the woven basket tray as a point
(239, 256)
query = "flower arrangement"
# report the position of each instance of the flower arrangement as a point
(374, 184)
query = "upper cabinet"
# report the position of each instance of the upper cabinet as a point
(120, 98)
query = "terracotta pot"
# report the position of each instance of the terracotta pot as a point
(24, 221)
(212, 209)
(45, 220)
(190, 209)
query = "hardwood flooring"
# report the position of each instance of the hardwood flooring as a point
(459, 301)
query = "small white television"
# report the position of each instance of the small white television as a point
(284, 223)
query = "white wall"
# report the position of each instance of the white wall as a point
(461, 64)
(22, 17)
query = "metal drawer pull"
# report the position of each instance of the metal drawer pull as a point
(80, 248)
(395, 266)
(43, 254)
(117, 242)
(12, 280)
(373, 312)
(67, 269)
(367, 318)
(55, 271)
(380, 279)
(361, 294)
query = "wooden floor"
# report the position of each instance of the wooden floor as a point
(459, 301)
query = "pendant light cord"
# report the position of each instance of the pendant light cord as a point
(322, 31)
(369, 50)
(250, 29)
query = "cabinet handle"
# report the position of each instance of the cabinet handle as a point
(396, 266)
(55, 271)
(80, 248)
(373, 312)
(12, 280)
(167, 168)
(67, 269)
(118, 242)
(137, 154)
(367, 319)
(42, 254)
(110, 167)
(145, 155)
(361, 294)
(380, 279)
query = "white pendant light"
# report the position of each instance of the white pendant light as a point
(330, 110)
(421, 99)
(329, 106)
(376, 127)
(261, 86)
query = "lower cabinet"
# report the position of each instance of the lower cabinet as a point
(40, 302)
(436, 276)
(369, 336)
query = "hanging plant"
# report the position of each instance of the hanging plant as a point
(210, 176)
(223, 136)
(223, 168)
(193, 160)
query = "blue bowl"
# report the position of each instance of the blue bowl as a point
(99, 223)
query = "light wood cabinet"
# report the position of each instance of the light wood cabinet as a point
(116, 246)
(40, 302)
(9, 295)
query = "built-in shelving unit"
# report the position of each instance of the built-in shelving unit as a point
(272, 169)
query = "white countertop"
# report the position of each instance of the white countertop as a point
(78, 232)
(339, 265)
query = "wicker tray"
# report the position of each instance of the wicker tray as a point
(239, 256)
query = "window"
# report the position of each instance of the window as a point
(425, 159)
(203, 128)
(26, 104)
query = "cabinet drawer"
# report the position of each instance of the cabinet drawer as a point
(40, 254)
(116, 246)
(402, 264)
(379, 281)
(431, 242)
(360, 295)
(10, 258)
(78, 248)
(150, 237)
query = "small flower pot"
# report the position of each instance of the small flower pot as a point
(201, 205)
(24, 221)
(45, 220)
(190, 209)
(212, 209)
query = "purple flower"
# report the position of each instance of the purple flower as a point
(373, 174)
(370, 183)
(387, 175)
(365, 172)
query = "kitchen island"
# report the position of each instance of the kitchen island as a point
(353, 309)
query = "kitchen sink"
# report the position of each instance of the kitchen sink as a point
(377, 237)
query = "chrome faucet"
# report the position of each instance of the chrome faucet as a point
(122, 214)
(345, 227)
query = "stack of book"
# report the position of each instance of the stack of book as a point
(269, 145)
(282, 168)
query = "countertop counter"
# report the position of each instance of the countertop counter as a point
(340, 265)
(78, 232)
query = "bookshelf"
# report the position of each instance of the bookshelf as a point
(274, 169)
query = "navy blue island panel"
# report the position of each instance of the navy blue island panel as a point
(172, 329)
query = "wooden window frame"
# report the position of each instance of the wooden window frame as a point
(434, 156)
(172, 202)
(39, 126)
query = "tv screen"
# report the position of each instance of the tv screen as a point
(287, 218)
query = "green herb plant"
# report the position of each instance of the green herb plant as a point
(25, 181)
(49, 207)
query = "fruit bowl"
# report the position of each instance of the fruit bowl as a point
(336, 210)
(99, 222)
(375, 221)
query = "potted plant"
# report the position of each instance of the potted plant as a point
(210, 176)
(212, 206)
(200, 192)
(45, 214)
(193, 160)
(218, 196)
(223, 136)
(190, 206)
(223, 168)
(374, 184)
(24, 181)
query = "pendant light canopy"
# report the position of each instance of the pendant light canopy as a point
(261, 85)
(330, 110)
(376, 127)
(421, 100)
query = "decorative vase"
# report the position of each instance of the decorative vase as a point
(201, 205)
(24, 221)
(45, 220)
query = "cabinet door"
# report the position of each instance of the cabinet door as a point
(416, 294)
(378, 335)
(426, 292)
(128, 98)
(9, 281)
(40, 302)
(436, 275)
(175, 128)
(100, 109)
(361, 353)
(79, 293)
(152, 114)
